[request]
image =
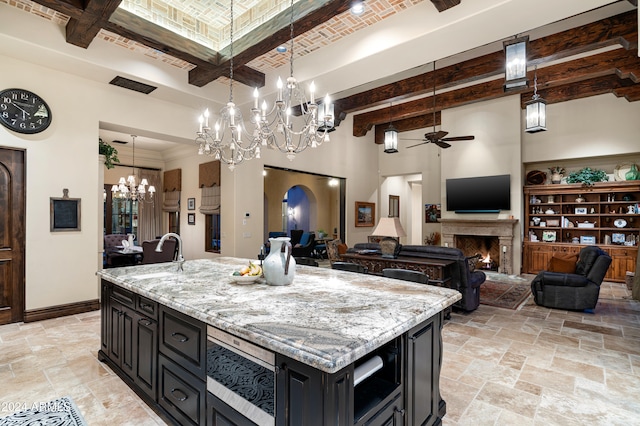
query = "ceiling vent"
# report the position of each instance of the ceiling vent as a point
(136, 86)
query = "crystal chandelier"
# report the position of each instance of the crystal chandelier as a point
(128, 189)
(225, 141)
(275, 129)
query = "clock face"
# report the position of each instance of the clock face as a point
(23, 111)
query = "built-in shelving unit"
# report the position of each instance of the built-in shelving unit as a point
(567, 217)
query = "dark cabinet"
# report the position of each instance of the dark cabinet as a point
(180, 393)
(220, 414)
(423, 362)
(299, 390)
(146, 353)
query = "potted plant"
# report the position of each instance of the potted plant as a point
(587, 176)
(109, 152)
(556, 174)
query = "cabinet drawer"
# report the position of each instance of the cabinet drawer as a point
(148, 307)
(184, 340)
(180, 393)
(123, 296)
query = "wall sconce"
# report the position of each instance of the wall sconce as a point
(391, 140)
(515, 71)
(536, 110)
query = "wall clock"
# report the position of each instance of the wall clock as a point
(23, 111)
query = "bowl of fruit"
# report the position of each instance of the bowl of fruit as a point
(247, 274)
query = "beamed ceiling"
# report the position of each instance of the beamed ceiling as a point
(592, 59)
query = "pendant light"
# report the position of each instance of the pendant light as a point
(390, 136)
(515, 70)
(536, 110)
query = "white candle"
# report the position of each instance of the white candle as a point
(312, 90)
(206, 117)
(256, 95)
(200, 120)
(279, 85)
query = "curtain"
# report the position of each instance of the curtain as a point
(171, 202)
(150, 214)
(210, 200)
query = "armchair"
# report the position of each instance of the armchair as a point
(573, 291)
(305, 247)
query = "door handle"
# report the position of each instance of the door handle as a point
(144, 321)
(179, 337)
(179, 395)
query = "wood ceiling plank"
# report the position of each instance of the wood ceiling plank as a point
(413, 123)
(443, 5)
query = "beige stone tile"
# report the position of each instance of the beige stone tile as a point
(6, 373)
(513, 360)
(473, 330)
(480, 413)
(548, 378)
(529, 387)
(635, 364)
(517, 335)
(578, 369)
(623, 390)
(112, 392)
(38, 359)
(483, 349)
(535, 355)
(551, 340)
(454, 365)
(601, 358)
(591, 345)
(509, 398)
(13, 351)
(458, 397)
(619, 344)
(480, 371)
(631, 332)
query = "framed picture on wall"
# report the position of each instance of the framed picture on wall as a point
(64, 213)
(191, 203)
(191, 218)
(365, 213)
(431, 213)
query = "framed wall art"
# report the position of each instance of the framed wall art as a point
(365, 213)
(191, 203)
(191, 218)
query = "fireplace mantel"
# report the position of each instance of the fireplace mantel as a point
(501, 228)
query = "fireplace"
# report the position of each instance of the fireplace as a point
(494, 236)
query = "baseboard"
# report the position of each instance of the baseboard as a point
(61, 310)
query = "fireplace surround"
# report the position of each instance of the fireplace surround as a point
(503, 229)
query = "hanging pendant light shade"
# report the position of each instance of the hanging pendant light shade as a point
(536, 110)
(515, 72)
(391, 140)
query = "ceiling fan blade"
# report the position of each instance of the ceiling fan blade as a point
(403, 139)
(441, 134)
(459, 138)
(442, 144)
(418, 144)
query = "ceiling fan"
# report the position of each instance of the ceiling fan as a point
(438, 137)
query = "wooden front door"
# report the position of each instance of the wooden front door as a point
(12, 235)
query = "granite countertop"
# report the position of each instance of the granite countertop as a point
(326, 318)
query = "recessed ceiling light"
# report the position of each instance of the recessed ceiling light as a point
(281, 49)
(357, 8)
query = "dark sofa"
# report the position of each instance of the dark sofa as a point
(464, 277)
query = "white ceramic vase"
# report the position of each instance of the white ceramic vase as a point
(279, 267)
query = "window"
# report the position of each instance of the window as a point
(212, 233)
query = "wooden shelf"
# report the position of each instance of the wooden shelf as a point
(602, 203)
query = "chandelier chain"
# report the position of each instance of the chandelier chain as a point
(291, 37)
(231, 54)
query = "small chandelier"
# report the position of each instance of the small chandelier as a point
(536, 110)
(225, 141)
(129, 189)
(515, 71)
(275, 127)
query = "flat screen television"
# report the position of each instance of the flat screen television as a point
(485, 194)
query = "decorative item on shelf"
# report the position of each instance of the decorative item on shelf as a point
(580, 210)
(617, 238)
(587, 176)
(109, 152)
(586, 224)
(587, 239)
(607, 239)
(129, 188)
(536, 221)
(553, 222)
(279, 267)
(619, 223)
(549, 211)
(549, 236)
(556, 174)
(575, 240)
(580, 199)
(536, 177)
(633, 173)
(550, 199)
(628, 197)
(621, 170)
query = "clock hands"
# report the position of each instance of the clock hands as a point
(23, 111)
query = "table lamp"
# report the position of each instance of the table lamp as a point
(392, 230)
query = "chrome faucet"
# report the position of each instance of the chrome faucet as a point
(180, 259)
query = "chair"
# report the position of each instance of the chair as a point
(113, 259)
(305, 247)
(150, 255)
(306, 261)
(335, 249)
(406, 275)
(577, 290)
(296, 236)
(348, 266)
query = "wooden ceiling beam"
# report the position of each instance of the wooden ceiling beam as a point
(81, 31)
(620, 29)
(413, 123)
(443, 5)
(582, 89)
(271, 34)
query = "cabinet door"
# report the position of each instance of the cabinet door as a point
(424, 359)
(391, 415)
(537, 257)
(180, 393)
(105, 328)
(299, 394)
(622, 260)
(146, 353)
(220, 414)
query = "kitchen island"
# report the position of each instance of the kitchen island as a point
(332, 348)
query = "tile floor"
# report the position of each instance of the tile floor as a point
(534, 366)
